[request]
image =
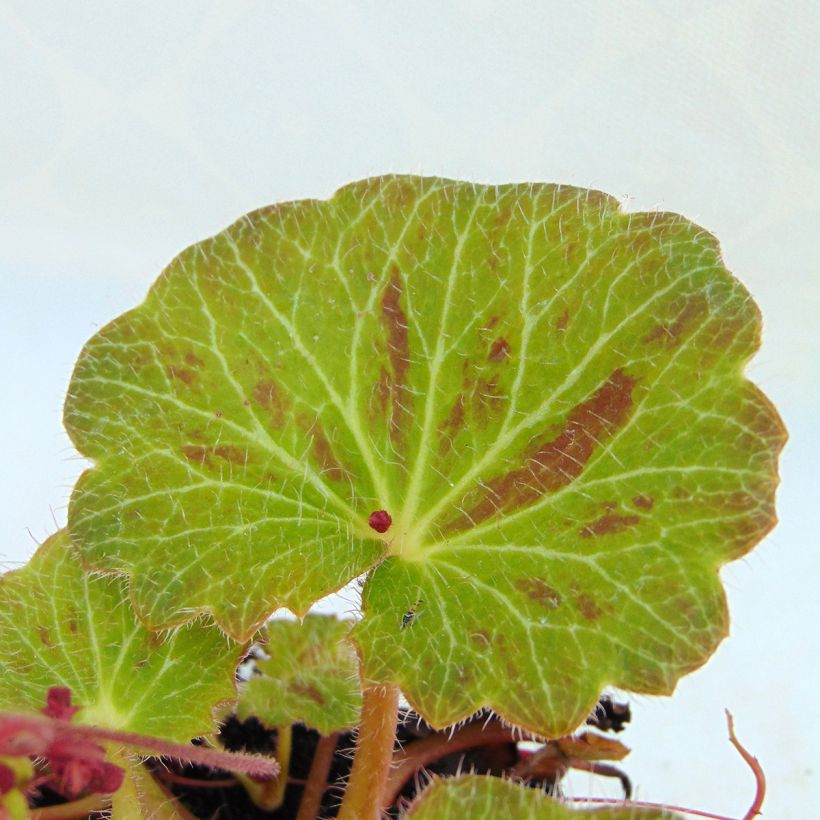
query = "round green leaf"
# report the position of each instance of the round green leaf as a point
(311, 676)
(486, 798)
(63, 627)
(544, 393)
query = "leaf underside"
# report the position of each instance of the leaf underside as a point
(543, 392)
(480, 797)
(63, 627)
(310, 676)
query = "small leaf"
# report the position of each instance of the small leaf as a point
(64, 628)
(142, 797)
(542, 393)
(487, 798)
(310, 677)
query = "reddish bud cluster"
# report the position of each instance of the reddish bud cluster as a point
(380, 520)
(77, 763)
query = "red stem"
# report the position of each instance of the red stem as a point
(644, 804)
(419, 753)
(316, 784)
(754, 765)
(44, 727)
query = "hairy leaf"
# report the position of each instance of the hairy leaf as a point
(524, 405)
(62, 627)
(310, 677)
(480, 797)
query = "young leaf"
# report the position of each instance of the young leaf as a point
(486, 798)
(526, 404)
(62, 627)
(311, 677)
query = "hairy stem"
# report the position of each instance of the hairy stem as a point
(317, 778)
(426, 750)
(374, 753)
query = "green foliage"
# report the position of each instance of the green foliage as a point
(481, 798)
(64, 627)
(545, 393)
(311, 677)
(542, 395)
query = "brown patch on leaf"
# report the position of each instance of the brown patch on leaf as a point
(449, 428)
(323, 452)
(45, 637)
(562, 321)
(267, 394)
(382, 390)
(644, 502)
(310, 691)
(671, 334)
(609, 525)
(197, 453)
(480, 637)
(587, 606)
(398, 352)
(203, 455)
(538, 590)
(557, 462)
(487, 400)
(193, 360)
(230, 453)
(181, 374)
(499, 350)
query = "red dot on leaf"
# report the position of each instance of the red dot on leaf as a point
(380, 520)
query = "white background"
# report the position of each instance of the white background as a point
(130, 130)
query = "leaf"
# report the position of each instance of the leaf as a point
(479, 797)
(543, 394)
(62, 627)
(143, 798)
(311, 677)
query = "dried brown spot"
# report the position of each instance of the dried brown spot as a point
(487, 401)
(499, 350)
(398, 352)
(45, 637)
(323, 451)
(449, 428)
(140, 663)
(230, 453)
(561, 460)
(309, 690)
(587, 606)
(192, 359)
(538, 590)
(382, 390)
(670, 334)
(480, 637)
(503, 217)
(195, 452)
(563, 320)
(267, 394)
(609, 525)
(181, 374)
(644, 502)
